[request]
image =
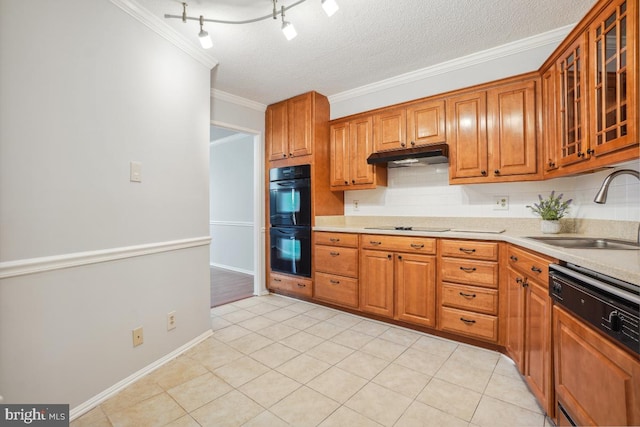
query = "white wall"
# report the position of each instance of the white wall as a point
(85, 90)
(425, 191)
(231, 204)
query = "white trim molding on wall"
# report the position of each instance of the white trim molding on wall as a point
(161, 28)
(238, 100)
(38, 265)
(552, 37)
(121, 385)
(232, 223)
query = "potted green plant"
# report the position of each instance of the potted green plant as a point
(551, 210)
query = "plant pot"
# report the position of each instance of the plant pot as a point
(550, 226)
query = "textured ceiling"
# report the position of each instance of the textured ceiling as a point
(366, 41)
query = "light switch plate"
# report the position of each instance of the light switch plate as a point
(135, 171)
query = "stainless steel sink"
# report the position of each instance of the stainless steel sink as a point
(587, 242)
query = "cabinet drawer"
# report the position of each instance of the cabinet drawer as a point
(478, 273)
(468, 323)
(469, 249)
(336, 260)
(337, 289)
(472, 298)
(336, 239)
(530, 264)
(423, 245)
(293, 285)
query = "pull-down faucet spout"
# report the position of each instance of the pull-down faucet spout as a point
(601, 197)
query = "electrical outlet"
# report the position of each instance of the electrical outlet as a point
(355, 205)
(500, 203)
(138, 337)
(171, 320)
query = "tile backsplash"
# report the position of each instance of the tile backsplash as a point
(425, 191)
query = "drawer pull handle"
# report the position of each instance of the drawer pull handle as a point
(374, 243)
(334, 282)
(536, 269)
(333, 253)
(334, 239)
(513, 258)
(277, 280)
(417, 245)
(467, 251)
(467, 320)
(468, 269)
(302, 285)
(467, 295)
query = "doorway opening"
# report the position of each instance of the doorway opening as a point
(235, 218)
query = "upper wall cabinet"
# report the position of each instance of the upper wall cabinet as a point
(595, 92)
(493, 134)
(412, 126)
(289, 127)
(351, 142)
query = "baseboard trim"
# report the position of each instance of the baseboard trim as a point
(43, 264)
(228, 267)
(85, 407)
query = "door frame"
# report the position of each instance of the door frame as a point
(259, 230)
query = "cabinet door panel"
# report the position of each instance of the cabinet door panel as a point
(300, 125)
(339, 146)
(549, 120)
(361, 146)
(597, 382)
(390, 130)
(426, 123)
(512, 129)
(515, 318)
(376, 282)
(538, 344)
(416, 289)
(277, 131)
(467, 134)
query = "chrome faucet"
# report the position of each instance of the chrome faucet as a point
(601, 197)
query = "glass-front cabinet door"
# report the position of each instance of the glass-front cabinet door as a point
(572, 108)
(613, 78)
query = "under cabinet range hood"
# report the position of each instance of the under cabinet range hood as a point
(415, 156)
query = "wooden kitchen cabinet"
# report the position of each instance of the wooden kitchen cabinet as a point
(412, 126)
(289, 127)
(597, 382)
(294, 286)
(336, 268)
(400, 267)
(493, 134)
(351, 142)
(613, 74)
(528, 317)
(469, 278)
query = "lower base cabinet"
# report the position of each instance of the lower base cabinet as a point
(596, 382)
(296, 286)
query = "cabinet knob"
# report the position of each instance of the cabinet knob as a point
(552, 164)
(353, 181)
(334, 239)
(402, 144)
(413, 143)
(536, 269)
(513, 258)
(400, 257)
(284, 155)
(483, 173)
(590, 151)
(333, 253)
(580, 154)
(519, 280)
(497, 171)
(389, 256)
(346, 183)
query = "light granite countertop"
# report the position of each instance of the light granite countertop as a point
(621, 264)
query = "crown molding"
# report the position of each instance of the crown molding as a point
(238, 100)
(543, 39)
(161, 28)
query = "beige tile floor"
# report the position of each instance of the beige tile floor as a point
(275, 361)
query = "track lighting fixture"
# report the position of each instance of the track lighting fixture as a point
(329, 6)
(205, 40)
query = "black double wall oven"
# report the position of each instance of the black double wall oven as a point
(290, 219)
